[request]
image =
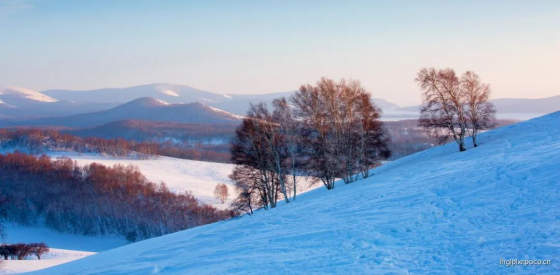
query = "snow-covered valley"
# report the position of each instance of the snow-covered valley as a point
(179, 175)
(438, 211)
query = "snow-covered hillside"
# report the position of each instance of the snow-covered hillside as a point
(179, 175)
(435, 212)
(63, 247)
(17, 94)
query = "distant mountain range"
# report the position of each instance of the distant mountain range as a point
(76, 108)
(16, 102)
(171, 93)
(515, 105)
(145, 108)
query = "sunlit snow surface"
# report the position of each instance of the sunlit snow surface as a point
(434, 212)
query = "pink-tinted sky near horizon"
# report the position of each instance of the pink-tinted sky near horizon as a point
(273, 46)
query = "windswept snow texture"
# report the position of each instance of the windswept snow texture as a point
(435, 212)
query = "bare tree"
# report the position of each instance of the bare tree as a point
(23, 250)
(291, 131)
(245, 201)
(39, 249)
(480, 113)
(221, 192)
(247, 182)
(340, 128)
(315, 107)
(258, 146)
(373, 137)
(443, 108)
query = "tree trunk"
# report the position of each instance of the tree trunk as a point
(475, 144)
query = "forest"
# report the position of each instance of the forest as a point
(95, 199)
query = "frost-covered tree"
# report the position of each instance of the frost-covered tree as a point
(481, 114)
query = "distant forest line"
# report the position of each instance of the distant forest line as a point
(204, 142)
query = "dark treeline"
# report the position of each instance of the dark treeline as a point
(158, 131)
(38, 141)
(20, 251)
(95, 199)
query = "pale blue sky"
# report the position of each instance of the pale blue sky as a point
(273, 46)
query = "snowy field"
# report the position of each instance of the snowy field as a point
(64, 247)
(178, 174)
(435, 212)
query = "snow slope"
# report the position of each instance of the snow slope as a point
(435, 212)
(179, 175)
(49, 259)
(11, 92)
(63, 247)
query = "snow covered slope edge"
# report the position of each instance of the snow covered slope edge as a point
(435, 212)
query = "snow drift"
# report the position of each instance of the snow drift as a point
(437, 211)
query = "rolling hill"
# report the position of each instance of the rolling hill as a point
(172, 93)
(17, 102)
(437, 211)
(143, 108)
(16, 95)
(515, 105)
(176, 93)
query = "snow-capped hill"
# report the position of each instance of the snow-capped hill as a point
(142, 109)
(142, 102)
(384, 104)
(439, 211)
(527, 105)
(4, 105)
(22, 103)
(11, 95)
(172, 93)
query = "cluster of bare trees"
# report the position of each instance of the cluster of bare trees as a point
(263, 154)
(95, 199)
(329, 131)
(221, 192)
(342, 130)
(454, 106)
(21, 251)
